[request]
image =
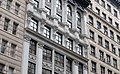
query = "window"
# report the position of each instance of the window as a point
(109, 72)
(109, 8)
(6, 23)
(15, 25)
(105, 30)
(91, 35)
(113, 49)
(118, 38)
(104, 15)
(58, 5)
(106, 44)
(31, 68)
(115, 13)
(48, 11)
(92, 50)
(114, 63)
(69, 11)
(69, 24)
(47, 54)
(8, 5)
(46, 31)
(32, 49)
(119, 52)
(36, 3)
(90, 20)
(79, 29)
(46, 71)
(93, 66)
(1, 67)
(98, 25)
(59, 18)
(78, 17)
(13, 49)
(111, 34)
(58, 38)
(101, 55)
(103, 3)
(80, 68)
(0, 3)
(59, 59)
(3, 46)
(68, 65)
(33, 24)
(102, 69)
(17, 8)
(99, 40)
(69, 44)
(116, 25)
(109, 20)
(90, 5)
(79, 49)
(108, 59)
(10, 71)
(97, 11)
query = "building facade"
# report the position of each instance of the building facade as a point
(54, 40)
(12, 14)
(103, 28)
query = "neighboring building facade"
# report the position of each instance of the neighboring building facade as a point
(103, 23)
(12, 14)
(54, 40)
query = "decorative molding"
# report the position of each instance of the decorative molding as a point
(76, 62)
(29, 13)
(40, 45)
(85, 67)
(55, 28)
(27, 38)
(43, 21)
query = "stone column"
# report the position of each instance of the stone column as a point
(25, 56)
(39, 58)
(85, 69)
(64, 10)
(42, 4)
(53, 53)
(64, 64)
(75, 67)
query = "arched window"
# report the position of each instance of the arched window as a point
(69, 11)
(78, 18)
(58, 4)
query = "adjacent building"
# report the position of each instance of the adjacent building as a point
(103, 28)
(55, 37)
(12, 14)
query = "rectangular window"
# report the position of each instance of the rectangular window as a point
(102, 70)
(101, 55)
(90, 5)
(58, 38)
(3, 46)
(47, 54)
(59, 18)
(13, 49)
(90, 20)
(31, 68)
(103, 3)
(92, 50)
(99, 40)
(104, 15)
(32, 48)
(69, 24)
(116, 25)
(111, 34)
(113, 49)
(93, 66)
(97, 11)
(105, 30)
(15, 25)
(8, 5)
(109, 72)
(91, 35)
(109, 8)
(47, 31)
(1, 67)
(17, 8)
(33, 24)
(10, 71)
(98, 25)
(79, 49)
(6, 23)
(114, 63)
(108, 59)
(106, 44)
(69, 44)
(109, 20)
(118, 38)
(68, 66)
(59, 59)
(46, 71)
(80, 68)
(115, 13)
